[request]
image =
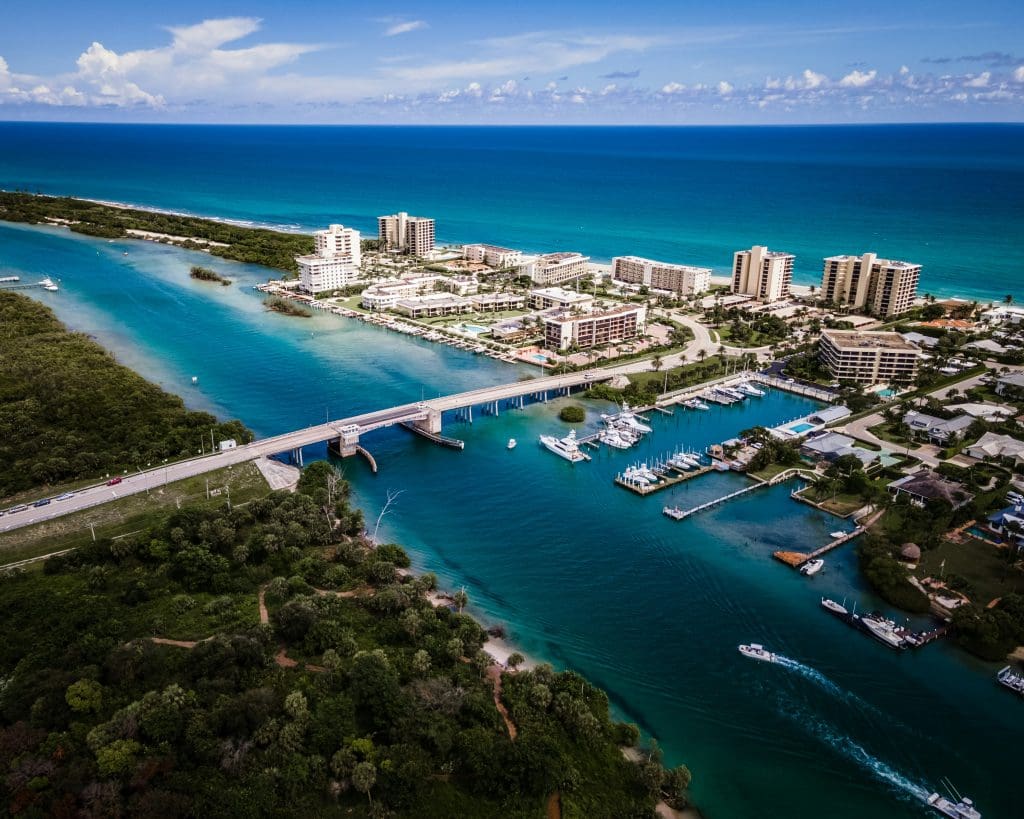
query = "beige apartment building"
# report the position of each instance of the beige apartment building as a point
(881, 287)
(868, 357)
(492, 255)
(591, 329)
(762, 273)
(682, 279)
(410, 234)
(554, 268)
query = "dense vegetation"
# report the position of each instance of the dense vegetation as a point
(355, 697)
(71, 411)
(991, 633)
(287, 307)
(244, 244)
(572, 414)
(207, 275)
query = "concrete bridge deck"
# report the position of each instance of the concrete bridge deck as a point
(424, 414)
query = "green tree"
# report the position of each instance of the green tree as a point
(84, 696)
(364, 777)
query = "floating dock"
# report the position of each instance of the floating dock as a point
(666, 481)
(912, 639)
(797, 559)
(681, 514)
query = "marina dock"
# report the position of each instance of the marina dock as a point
(681, 514)
(798, 559)
(908, 638)
(667, 480)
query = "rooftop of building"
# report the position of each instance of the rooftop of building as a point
(868, 340)
(407, 217)
(564, 316)
(561, 256)
(771, 254)
(896, 263)
(561, 293)
(492, 248)
(644, 260)
(932, 486)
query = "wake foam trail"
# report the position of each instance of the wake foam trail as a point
(879, 769)
(815, 676)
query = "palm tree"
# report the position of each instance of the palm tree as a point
(1008, 298)
(656, 363)
(702, 354)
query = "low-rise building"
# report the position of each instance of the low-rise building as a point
(993, 445)
(564, 330)
(920, 339)
(334, 263)
(492, 255)
(1003, 314)
(831, 446)
(544, 298)
(941, 431)
(868, 357)
(925, 487)
(1011, 384)
(554, 268)
(830, 415)
(513, 331)
(433, 306)
(497, 302)
(411, 234)
(681, 279)
(1009, 523)
(385, 295)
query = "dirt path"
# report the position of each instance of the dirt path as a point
(163, 641)
(494, 675)
(554, 806)
(262, 601)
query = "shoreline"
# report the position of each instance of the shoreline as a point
(717, 279)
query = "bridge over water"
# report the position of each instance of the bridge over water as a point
(343, 435)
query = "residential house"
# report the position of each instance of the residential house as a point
(992, 445)
(941, 431)
(926, 486)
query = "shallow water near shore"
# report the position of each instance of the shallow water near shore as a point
(581, 572)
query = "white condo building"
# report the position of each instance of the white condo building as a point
(554, 268)
(492, 255)
(564, 329)
(762, 273)
(411, 234)
(682, 279)
(334, 264)
(880, 286)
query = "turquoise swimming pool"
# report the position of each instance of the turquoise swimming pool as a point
(475, 329)
(800, 428)
(543, 359)
(887, 393)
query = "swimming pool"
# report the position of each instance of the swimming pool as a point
(886, 393)
(543, 359)
(475, 329)
(800, 428)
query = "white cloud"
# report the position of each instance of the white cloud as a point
(812, 79)
(725, 88)
(858, 79)
(404, 27)
(1018, 73)
(209, 34)
(980, 81)
(673, 88)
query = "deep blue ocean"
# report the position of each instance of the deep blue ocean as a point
(950, 197)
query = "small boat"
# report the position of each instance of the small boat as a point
(964, 809)
(612, 438)
(1011, 679)
(749, 389)
(48, 284)
(833, 607)
(883, 629)
(511, 443)
(673, 512)
(195, 379)
(812, 567)
(758, 652)
(836, 535)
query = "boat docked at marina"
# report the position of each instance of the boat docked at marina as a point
(749, 389)
(695, 404)
(49, 284)
(812, 567)
(833, 607)
(613, 438)
(1011, 679)
(673, 512)
(567, 447)
(883, 629)
(629, 419)
(756, 651)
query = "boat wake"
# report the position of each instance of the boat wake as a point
(814, 676)
(860, 755)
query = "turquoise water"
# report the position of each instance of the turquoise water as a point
(950, 197)
(583, 573)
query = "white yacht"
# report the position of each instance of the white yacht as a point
(836, 535)
(749, 389)
(612, 438)
(566, 447)
(696, 403)
(48, 284)
(729, 391)
(757, 652)
(964, 809)
(834, 607)
(883, 630)
(628, 418)
(812, 567)
(511, 443)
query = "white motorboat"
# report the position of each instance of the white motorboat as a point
(757, 652)
(883, 630)
(749, 389)
(1011, 679)
(511, 443)
(566, 447)
(964, 809)
(834, 607)
(731, 393)
(48, 284)
(628, 418)
(612, 438)
(836, 535)
(812, 567)
(696, 404)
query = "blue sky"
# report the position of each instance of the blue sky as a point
(524, 62)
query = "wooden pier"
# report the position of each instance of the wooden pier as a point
(682, 514)
(797, 559)
(648, 489)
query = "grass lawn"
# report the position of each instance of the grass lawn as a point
(842, 504)
(772, 470)
(982, 564)
(687, 370)
(131, 513)
(885, 432)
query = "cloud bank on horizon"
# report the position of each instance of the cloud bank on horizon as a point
(406, 69)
